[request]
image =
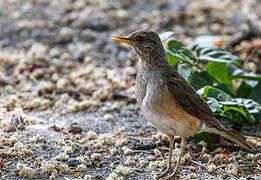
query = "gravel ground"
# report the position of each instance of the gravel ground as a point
(67, 106)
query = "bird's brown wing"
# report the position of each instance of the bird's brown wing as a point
(188, 98)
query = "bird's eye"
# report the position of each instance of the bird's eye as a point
(139, 38)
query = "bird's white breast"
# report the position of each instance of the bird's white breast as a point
(162, 111)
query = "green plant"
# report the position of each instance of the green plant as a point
(212, 72)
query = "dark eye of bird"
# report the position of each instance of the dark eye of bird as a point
(139, 38)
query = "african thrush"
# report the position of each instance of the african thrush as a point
(168, 101)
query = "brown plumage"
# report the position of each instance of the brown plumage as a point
(168, 101)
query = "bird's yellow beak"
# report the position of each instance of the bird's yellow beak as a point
(123, 39)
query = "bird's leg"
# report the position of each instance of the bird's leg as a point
(171, 140)
(182, 149)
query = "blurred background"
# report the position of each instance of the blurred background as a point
(82, 28)
(61, 74)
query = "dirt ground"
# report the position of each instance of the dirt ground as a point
(67, 106)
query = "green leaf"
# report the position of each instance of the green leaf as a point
(251, 105)
(244, 90)
(224, 87)
(216, 54)
(184, 71)
(204, 91)
(218, 94)
(200, 79)
(246, 107)
(235, 73)
(214, 105)
(240, 109)
(220, 72)
(256, 93)
(204, 136)
(172, 59)
(236, 118)
(180, 51)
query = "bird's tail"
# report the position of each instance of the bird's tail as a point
(236, 137)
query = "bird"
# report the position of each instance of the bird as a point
(168, 101)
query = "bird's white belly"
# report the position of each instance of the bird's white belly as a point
(170, 118)
(167, 125)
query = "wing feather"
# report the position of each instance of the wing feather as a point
(188, 98)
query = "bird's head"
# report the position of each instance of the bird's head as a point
(144, 43)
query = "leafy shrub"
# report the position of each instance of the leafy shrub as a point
(213, 72)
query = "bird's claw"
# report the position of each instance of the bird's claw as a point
(167, 171)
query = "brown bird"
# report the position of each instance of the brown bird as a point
(168, 101)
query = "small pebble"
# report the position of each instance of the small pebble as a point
(75, 128)
(157, 136)
(157, 152)
(251, 141)
(142, 163)
(192, 168)
(62, 157)
(115, 107)
(108, 117)
(68, 150)
(126, 150)
(212, 168)
(92, 135)
(206, 156)
(61, 83)
(82, 168)
(52, 177)
(18, 121)
(65, 169)
(112, 176)
(73, 162)
(151, 158)
(192, 176)
(46, 86)
(121, 142)
(96, 156)
(13, 139)
(87, 177)
(250, 157)
(47, 167)
(113, 151)
(221, 158)
(123, 170)
(154, 165)
(130, 161)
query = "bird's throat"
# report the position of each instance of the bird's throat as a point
(157, 58)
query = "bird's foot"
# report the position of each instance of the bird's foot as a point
(167, 171)
(172, 175)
